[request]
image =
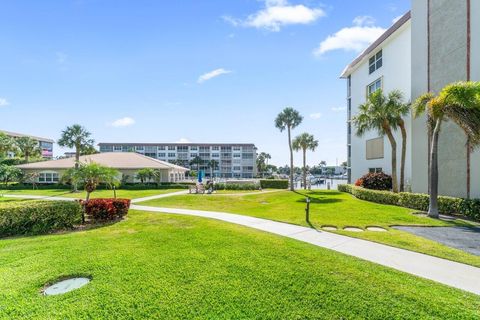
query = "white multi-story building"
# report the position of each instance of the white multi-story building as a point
(231, 160)
(435, 44)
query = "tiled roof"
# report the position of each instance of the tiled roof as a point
(18, 135)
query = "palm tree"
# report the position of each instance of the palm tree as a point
(76, 137)
(28, 147)
(398, 110)
(289, 119)
(146, 174)
(213, 164)
(375, 115)
(305, 142)
(459, 102)
(6, 144)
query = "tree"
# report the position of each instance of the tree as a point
(459, 102)
(289, 119)
(262, 162)
(375, 115)
(398, 110)
(213, 165)
(9, 174)
(7, 144)
(196, 162)
(78, 138)
(305, 142)
(28, 147)
(146, 175)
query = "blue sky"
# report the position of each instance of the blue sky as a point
(190, 70)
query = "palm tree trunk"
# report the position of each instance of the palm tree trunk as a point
(468, 166)
(404, 155)
(429, 148)
(292, 188)
(433, 206)
(393, 144)
(305, 169)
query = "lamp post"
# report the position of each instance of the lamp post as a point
(307, 210)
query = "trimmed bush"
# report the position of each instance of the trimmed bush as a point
(38, 217)
(375, 181)
(274, 184)
(236, 186)
(100, 210)
(149, 186)
(469, 208)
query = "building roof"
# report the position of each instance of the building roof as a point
(117, 160)
(397, 25)
(177, 144)
(18, 135)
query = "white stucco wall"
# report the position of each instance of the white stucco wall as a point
(396, 74)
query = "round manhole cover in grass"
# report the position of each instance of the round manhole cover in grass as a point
(65, 286)
(353, 229)
(377, 229)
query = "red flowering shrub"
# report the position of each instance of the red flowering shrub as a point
(106, 209)
(376, 181)
(359, 182)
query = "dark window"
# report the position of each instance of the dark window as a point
(375, 62)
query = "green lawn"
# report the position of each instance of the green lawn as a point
(329, 208)
(158, 266)
(128, 194)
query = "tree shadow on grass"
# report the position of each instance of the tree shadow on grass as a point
(316, 198)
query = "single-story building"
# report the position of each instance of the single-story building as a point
(127, 163)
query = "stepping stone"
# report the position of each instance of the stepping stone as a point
(353, 229)
(330, 228)
(376, 229)
(65, 286)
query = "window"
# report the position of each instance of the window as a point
(193, 155)
(237, 168)
(161, 148)
(139, 148)
(237, 149)
(237, 155)
(215, 155)
(171, 148)
(216, 148)
(247, 155)
(117, 148)
(374, 148)
(193, 148)
(375, 62)
(171, 155)
(162, 155)
(375, 170)
(374, 86)
(349, 86)
(182, 148)
(48, 177)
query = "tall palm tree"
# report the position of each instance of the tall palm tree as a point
(28, 147)
(289, 119)
(76, 137)
(6, 144)
(213, 164)
(375, 115)
(305, 142)
(398, 110)
(459, 102)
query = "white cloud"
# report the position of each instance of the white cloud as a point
(276, 14)
(3, 102)
(339, 109)
(315, 116)
(123, 122)
(212, 74)
(355, 38)
(183, 140)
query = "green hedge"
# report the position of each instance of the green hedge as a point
(236, 186)
(417, 201)
(38, 217)
(274, 184)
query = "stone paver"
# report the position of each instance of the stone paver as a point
(447, 272)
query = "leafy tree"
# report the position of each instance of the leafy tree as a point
(78, 138)
(458, 102)
(289, 119)
(9, 174)
(305, 142)
(7, 144)
(28, 147)
(196, 162)
(146, 175)
(376, 115)
(213, 165)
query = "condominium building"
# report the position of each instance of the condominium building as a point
(45, 144)
(435, 44)
(231, 160)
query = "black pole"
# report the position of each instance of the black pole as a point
(307, 210)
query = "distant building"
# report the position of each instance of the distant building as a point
(45, 144)
(233, 160)
(50, 172)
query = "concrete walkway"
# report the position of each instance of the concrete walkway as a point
(447, 272)
(159, 196)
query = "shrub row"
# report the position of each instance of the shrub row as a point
(137, 186)
(100, 210)
(38, 217)
(236, 186)
(274, 184)
(418, 201)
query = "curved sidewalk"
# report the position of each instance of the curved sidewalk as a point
(454, 274)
